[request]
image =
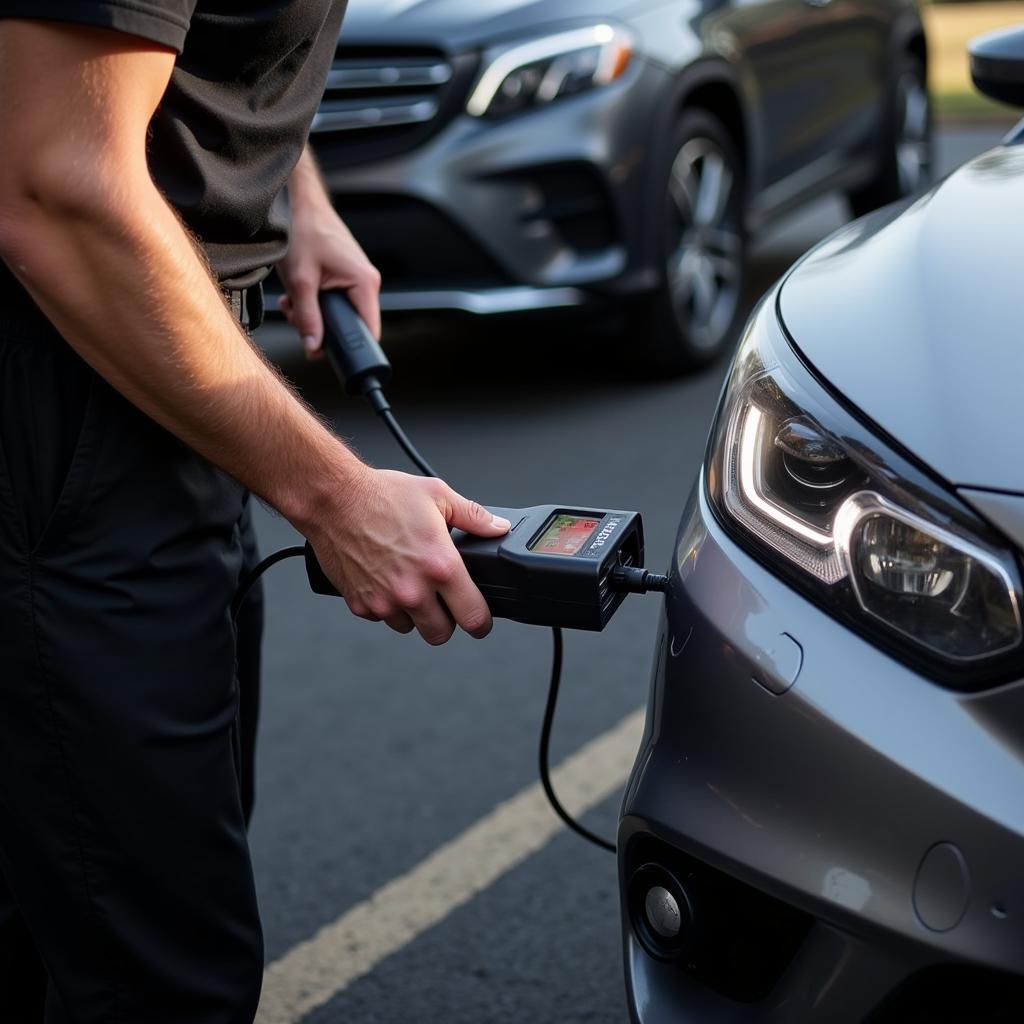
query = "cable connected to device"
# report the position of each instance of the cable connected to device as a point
(361, 365)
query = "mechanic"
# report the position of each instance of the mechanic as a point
(146, 149)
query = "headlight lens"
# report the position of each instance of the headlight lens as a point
(540, 71)
(854, 523)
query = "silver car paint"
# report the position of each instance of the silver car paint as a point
(1004, 511)
(916, 319)
(462, 24)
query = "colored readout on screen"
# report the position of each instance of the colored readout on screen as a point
(565, 535)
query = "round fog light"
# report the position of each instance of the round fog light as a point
(662, 911)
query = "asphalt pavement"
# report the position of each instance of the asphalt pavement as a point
(379, 755)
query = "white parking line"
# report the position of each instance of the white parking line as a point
(313, 972)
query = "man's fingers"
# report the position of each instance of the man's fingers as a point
(407, 571)
(467, 605)
(434, 623)
(305, 313)
(365, 296)
(400, 622)
(312, 352)
(472, 517)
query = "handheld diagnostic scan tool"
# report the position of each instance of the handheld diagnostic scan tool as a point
(557, 566)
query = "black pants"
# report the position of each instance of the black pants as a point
(126, 890)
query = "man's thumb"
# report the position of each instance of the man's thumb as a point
(472, 517)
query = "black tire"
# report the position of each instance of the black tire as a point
(694, 314)
(905, 159)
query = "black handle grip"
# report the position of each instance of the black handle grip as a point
(353, 351)
(318, 581)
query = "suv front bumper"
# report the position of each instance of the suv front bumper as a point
(540, 210)
(790, 755)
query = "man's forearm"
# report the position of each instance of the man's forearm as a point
(117, 274)
(306, 186)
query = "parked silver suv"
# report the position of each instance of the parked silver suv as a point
(526, 155)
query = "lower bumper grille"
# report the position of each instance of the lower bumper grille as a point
(739, 940)
(416, 246)
(954, 994)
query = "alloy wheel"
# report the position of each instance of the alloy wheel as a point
(705, 262)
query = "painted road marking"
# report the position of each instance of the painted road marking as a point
(313, 972)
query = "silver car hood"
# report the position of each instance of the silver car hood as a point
(460, 24)
(916, 315)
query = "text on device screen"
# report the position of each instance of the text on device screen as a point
(565, 535)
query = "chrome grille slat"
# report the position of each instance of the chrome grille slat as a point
(394, 74)
(366, 92)
(333, 117)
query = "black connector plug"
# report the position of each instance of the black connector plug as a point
(354, 353)
(628, 579)
(359, 363)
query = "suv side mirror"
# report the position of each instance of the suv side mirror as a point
(997, 65)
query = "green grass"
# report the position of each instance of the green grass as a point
(959, 105)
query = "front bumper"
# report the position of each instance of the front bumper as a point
(794, 757)
(547, 209)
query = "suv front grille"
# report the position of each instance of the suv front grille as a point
(381, 101)
(366, 91)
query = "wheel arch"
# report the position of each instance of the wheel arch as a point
(709, 91)
(719, 97)
(908, 37)
(917, 46)
(713, 85)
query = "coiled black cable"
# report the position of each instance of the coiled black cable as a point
(544, 751)
(248, 581)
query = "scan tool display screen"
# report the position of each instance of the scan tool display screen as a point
(565, 535)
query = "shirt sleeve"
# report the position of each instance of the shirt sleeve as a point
(159, 21)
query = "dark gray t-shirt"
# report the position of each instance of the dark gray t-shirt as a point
(236, 113)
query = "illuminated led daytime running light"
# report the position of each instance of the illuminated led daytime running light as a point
(825, 498)
(616, 50)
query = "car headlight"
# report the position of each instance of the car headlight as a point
(825, 501)
(540, 71)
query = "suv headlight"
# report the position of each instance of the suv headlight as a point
(540, 71)
(854, 523)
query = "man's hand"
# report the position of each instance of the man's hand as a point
(393, 559)
(322, 254)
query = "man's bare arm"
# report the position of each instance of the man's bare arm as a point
(86, 231)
